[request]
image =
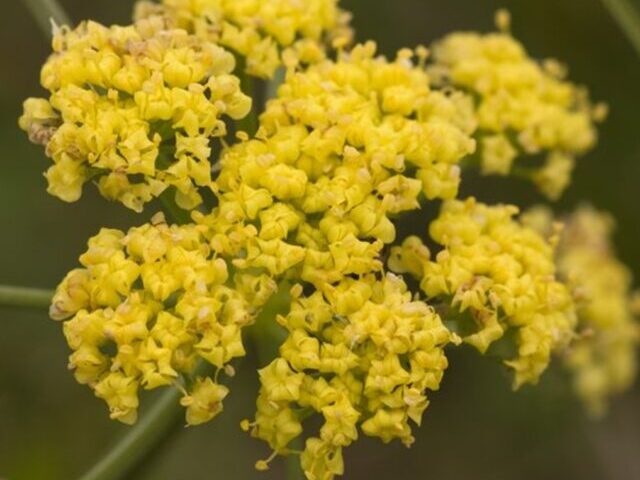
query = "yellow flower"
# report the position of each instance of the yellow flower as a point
(264, 34)
(312, 193)
(134, 108)
(146, 306)
(499, 276)
(204, 401)
(120, 393)
(497, 154)
(523, 107)
(362, 352)
(321, 461)
(603, 359)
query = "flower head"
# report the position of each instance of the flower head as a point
(263, 33)
(362, 353)
(499, 276)
(133, 108)
(603, 359)
(523, 107)
(144, 309)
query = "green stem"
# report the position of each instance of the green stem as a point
(249, 123)
(267, 336)
(46, 11)
(129, 452)
(171, 208)
(293, 470)
(25, 297)
(627, 18)
(273, 84)
(135, 445)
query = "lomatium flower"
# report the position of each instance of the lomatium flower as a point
(349, 143)
(362, 355)
(498, 277)
(264, 33)
(523, 107)
(344, 147)
(144, 309)
(133, 108)
(603, 360)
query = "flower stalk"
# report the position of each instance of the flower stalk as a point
(627, 18)
(46, 12)
(12, 296)
(140, 440)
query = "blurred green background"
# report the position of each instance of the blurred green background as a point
(52, 428)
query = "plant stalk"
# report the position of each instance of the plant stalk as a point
(25, 297)
(136, 444)
(45, 12)
(627, 18)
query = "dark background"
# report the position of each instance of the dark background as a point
(53, 428)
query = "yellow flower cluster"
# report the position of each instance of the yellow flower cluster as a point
(523, 107)
(135, 108)
(309, 200)
(361, 353)
(146, 307)
(603, 360)
(499, 277)
(316, 187)
(264, 33)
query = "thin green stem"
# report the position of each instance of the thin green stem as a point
(152, 428)
(171, 208)
(627, 18)
(25, 297)
(46, 11)
(273, 84)
(249, 123)
(293, 470)
(267, 336)
(136, 444)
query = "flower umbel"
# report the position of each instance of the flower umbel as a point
(264, 34)
(362, 353)
(498, 273)
(603, 360)
(133, 108)
(523, 107)
(302, 213)
(144, 309)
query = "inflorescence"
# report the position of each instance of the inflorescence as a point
(305, 207)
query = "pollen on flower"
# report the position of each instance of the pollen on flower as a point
(134, 108)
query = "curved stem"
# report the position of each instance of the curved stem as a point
(46, 11)
(627, 18)
(25, 297)
(131, 449)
